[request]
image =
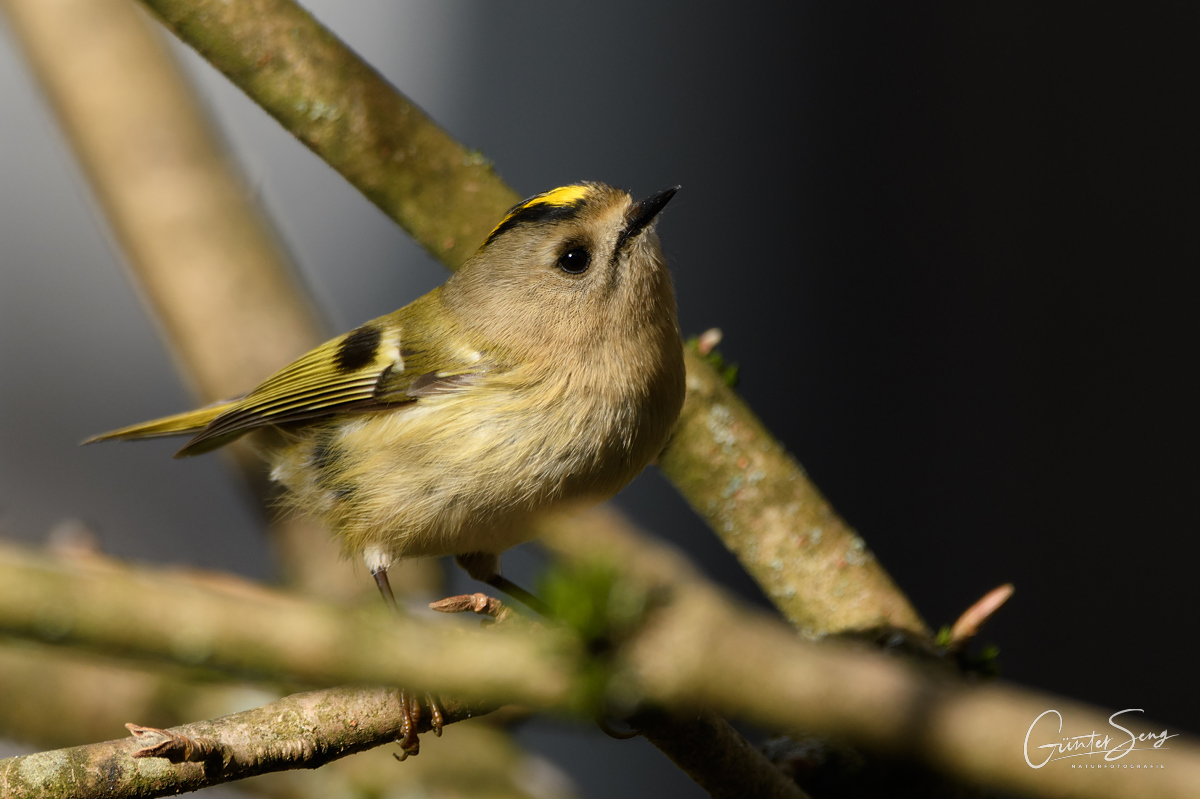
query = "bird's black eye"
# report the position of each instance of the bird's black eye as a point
(575, 261)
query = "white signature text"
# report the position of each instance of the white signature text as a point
(1093, 743)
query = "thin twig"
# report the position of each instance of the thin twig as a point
(973, 618)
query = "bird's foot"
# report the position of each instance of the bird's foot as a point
(410, 704)
(410, 715)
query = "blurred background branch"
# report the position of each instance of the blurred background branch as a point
(688, 648)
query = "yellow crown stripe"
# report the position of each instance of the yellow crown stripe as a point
(563, 195)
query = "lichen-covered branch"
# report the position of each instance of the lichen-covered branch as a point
(89, 698)
(300, 731)
(58, 697)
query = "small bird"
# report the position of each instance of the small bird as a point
(547, 372)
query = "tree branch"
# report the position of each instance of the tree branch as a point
(694, 649)
(715, 755)
(447, 197)
(163, 615)
(759, 501)
(55, 697)
(300, 731)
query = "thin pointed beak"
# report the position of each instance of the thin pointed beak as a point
(642, 213)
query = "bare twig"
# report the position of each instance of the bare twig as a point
(973, 618)
(174, 746)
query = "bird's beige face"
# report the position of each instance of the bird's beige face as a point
(572, 271)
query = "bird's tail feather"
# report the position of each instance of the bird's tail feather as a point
(191, 422)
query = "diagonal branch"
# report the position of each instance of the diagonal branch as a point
(446, 196)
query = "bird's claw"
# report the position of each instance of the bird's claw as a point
(410, 716)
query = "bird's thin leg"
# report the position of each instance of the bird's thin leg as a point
(410, 705)
(385, 588)
(485, 567)
(531, 601)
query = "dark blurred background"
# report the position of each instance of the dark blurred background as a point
(951, 247)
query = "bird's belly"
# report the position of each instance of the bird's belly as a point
(456, 473)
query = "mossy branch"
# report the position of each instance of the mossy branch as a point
(304, 730)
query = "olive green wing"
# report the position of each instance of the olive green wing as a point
(387, 362)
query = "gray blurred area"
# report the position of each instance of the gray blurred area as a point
(949, 247)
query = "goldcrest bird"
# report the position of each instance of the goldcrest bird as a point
(547, 372)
